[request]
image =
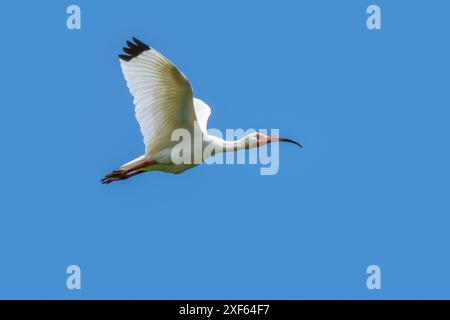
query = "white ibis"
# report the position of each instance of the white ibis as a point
(164, 102)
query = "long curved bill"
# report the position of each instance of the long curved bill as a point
(277, 139)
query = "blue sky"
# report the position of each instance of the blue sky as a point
(370, 187)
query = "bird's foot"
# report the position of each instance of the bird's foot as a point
(109, 180)
(115, 175)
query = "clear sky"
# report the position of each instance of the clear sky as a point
(371, 186)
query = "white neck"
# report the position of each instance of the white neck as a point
(228, 146)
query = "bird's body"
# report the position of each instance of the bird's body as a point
(164, 102)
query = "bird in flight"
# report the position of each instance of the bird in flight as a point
(164, 102)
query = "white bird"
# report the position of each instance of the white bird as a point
(164, 102)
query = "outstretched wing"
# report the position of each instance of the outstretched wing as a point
(162, 94)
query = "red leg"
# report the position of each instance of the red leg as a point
(125, 177)
(125, 174)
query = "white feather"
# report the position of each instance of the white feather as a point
(162, 97)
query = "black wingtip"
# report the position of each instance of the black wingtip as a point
(125, 57)
(134, 49)
(140, 44)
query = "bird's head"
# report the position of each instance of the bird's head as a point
(257, 139)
